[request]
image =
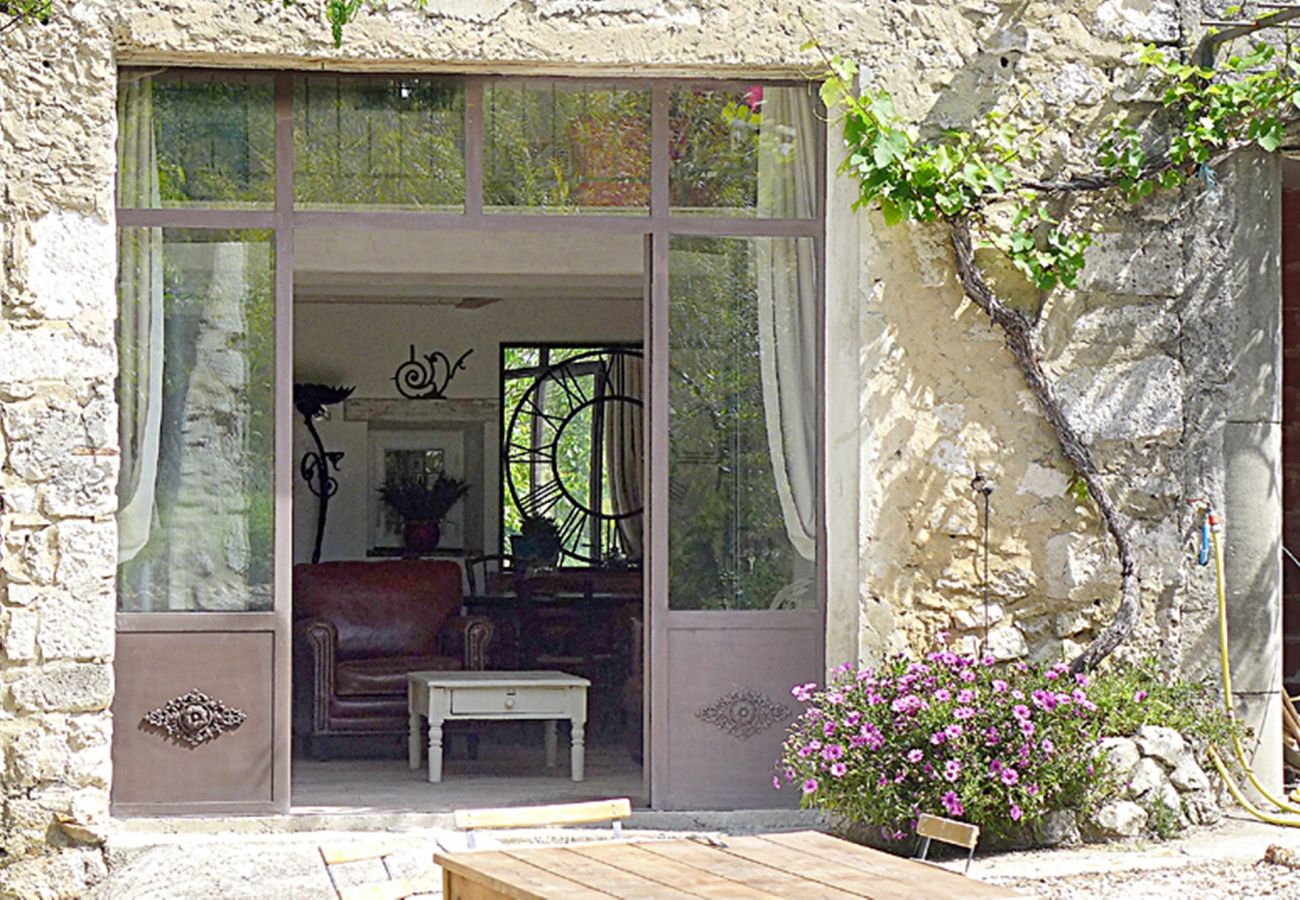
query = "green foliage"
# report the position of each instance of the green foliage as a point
(27, 10)
(341, 13)
(416, 501)
(1129, 697)
(984, 173)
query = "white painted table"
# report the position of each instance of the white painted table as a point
(456, 696)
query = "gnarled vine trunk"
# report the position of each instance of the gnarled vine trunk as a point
(1019, 333)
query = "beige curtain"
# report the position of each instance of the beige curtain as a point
(140, 321)
(625, 450)
(787, 307)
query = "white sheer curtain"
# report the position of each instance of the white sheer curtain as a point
(625, 450)
(140, 321)
(787, 307)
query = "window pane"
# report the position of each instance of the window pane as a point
(379, 143)
(749, 152)
(742, 424)
(196, 139)
(196, 393)
(565, 149)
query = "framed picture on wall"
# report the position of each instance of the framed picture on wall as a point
(422, 455)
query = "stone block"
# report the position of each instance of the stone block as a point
(1057, 828)
(1143, 21)
(87, 553)
(1188, 776)
(1121, 819)
(72, 268)
(19, 638)
(1134, 401)
(1122, 753)
(78, 624)
(84, 687)
(1007, 643)
(1165, 744)
(1142, 262)
(1202, 808)
(1147, 777)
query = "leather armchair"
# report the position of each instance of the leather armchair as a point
(360, 627)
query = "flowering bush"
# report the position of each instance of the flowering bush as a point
(997, 745)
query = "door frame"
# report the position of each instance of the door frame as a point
(657, 226)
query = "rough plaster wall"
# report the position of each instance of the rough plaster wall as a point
(937, 394)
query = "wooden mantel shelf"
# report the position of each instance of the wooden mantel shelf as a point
(367, 409)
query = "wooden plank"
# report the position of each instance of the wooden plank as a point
(950, 831)
(821, 872)
(761, 875)
(599, 875)
(396, 889)
(337, 854)
(457, 887)
(512, 878)
(537, 816)
(701, 882)
(914, 878)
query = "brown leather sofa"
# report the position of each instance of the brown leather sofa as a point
(359, 628)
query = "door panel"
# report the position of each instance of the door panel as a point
(737, 606)
(731, 703)
(214, 750)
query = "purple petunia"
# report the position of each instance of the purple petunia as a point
(810, 786)
(839, 769)
(832, 752)
(952, 803)
(1009, 776)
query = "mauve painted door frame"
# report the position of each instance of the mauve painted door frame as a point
(781, 632)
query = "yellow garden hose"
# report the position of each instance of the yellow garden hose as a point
(1220, 584)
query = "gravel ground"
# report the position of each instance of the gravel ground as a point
(1227, 860)
(1187, 881)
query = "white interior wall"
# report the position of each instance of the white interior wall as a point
(363, 298)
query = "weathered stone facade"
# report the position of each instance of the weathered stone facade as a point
(1167, 356)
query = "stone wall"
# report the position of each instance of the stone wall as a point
(922, 392)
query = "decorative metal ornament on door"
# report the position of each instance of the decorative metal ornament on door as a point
(744, 713)
(194, 718)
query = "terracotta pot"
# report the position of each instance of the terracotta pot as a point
(421, 537)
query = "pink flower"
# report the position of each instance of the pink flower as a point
(999, 686)
(966, 675)
(852, 719)
(776, 782)
(832, 752)
(1045, 700)
(938, 738)
(1048, 747)
(966, 696)
(1009, 776)
(952, 769)
(943, 695)
(915, 756)
(834, 697)
(1015, 813)
(1020, 711)
(953, 732)
(828, 728)
(963, 713)
(810, 786)
(839, 770)
(1026, 728)
(1139, 696)
(952, 803)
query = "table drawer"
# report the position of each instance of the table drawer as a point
(482, 700)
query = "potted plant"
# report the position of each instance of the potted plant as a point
(538, 543)
(422, 506)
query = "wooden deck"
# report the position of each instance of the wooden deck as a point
(801, 864)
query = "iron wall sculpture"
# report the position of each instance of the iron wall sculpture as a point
(744, 713)
(427, 380)
(194, 718)
(317, 467)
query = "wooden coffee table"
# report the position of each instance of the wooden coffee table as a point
(456, 696)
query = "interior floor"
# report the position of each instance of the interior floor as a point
(503, 775)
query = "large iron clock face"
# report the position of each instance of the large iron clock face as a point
(573, 451)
